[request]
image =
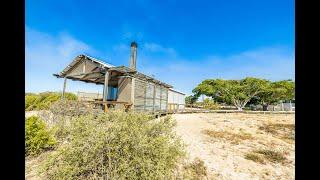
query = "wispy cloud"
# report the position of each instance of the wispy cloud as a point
(157, 48)
(130, 32)
(273, 63)
(46, 55)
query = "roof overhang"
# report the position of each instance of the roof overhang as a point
(96, 69)
(177, 91)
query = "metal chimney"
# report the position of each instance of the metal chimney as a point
(133, 56)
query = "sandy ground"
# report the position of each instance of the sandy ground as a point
(226, 160)
(223, 158)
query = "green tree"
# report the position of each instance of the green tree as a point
(191, 99)
(276, 92)
(235, 92)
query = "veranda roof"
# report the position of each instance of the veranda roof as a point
(91, 70)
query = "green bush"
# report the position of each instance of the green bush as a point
(43, 101)
(210, 104)
(64, 111)
(195, 170)
(30, 101)
(117, 145)
(37, 136)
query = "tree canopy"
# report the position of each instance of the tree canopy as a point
(240, 92)
(276, 92)
(191, 99)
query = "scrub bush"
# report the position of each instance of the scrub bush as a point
(117, 145)
(38, 137)
(43, 100)
(63, 111)
(210, 104)
(195, 170)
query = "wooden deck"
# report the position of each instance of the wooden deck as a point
(235, 111)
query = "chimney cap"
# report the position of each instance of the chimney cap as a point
(134, 44)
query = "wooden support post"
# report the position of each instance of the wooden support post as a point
(105, 107)
(132, 92)
(105, 90)
(154, 97)
(145, 96)
(64, 87)
(290, 105)
(160, 97)
(84, 67)
(167, 100)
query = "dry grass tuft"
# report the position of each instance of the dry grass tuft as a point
(235, 138)
(285, 132)
(272, 156)
(254, 157)
(264, 154)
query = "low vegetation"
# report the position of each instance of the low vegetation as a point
(254, 157)
(265, 154)
(272, 156)
(234, 138)
(38, 137)
(210, 104)
(116, 145)
(285, 131)
(42, 101)
(195, 170)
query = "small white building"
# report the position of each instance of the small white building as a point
(176, 100)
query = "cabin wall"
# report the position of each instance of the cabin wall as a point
(176, 101)
(139, 95)
(164, 99)
(149, 96)
(124, 89)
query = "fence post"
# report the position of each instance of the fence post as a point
(64, 87)
(290, 105)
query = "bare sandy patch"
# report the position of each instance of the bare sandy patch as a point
(240, 146)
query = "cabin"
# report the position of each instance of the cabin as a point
(124, 87)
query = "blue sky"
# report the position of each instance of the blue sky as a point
(180, 42)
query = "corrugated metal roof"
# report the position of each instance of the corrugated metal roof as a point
(99, 61)
(82, 57)
(103, 64)
(177, 91)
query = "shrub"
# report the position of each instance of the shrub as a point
(43, 100)
(195, 170)
(63, 111)
(37, 137)
(70, 108)
(30, 101)
(210, 104)
(116, 145)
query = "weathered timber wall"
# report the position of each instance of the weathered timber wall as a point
(124, 89)
(149, 97)
(176, 101)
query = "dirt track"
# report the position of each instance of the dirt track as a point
(226, 160)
